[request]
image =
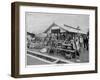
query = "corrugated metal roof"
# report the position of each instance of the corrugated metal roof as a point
(64, 27)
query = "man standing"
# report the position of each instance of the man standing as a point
(81, 41)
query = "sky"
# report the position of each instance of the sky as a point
(39, 22)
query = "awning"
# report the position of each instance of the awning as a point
(41, 35)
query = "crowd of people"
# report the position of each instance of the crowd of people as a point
(79, 43)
